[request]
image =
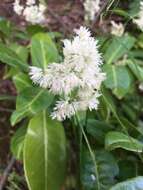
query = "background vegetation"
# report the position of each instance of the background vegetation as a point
(114, 132)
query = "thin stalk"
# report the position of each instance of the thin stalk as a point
(6, 173)
(80, 149)
(86, 119)
(92, 154)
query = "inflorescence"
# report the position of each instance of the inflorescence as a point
(77, 80)
(30, 11)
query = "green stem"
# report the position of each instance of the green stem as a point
(80, 149)
(91, 152)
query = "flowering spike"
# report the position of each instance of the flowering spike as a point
(77, 80)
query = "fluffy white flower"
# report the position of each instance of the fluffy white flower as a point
(82, 51)
(83, 32)
(18, 8)
(117, 29)
(36, 75)
(62, 110)
(88, 99)
(31, 12)
(93, 101)
(139, 20)
(56, 77)
(77, 79)
(65, 109)
(91, 7)
(30, 2)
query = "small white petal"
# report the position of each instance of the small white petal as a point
(117, 29)
(91, 7)
(30, 2)
(18, 8)
(63, 110)
(139, 20)
(33, 13)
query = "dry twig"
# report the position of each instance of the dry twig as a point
(6, 173)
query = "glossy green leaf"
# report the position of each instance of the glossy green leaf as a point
(130, 126)
(29, 102)
(43, 50)
(11, 58)
(98, 129)
(20, 50)
(111, 105)
(135, 54)
(45, 154)
(118, 47)
(133, 184)
(107, 170)
(115, 140)
(6, 27)
(54, 35)
(130, 112)
(136, 69)
(34, 29)
(121, 12)
(128, 168)
(17, 142)
(109, 100)
(22, 81)
(134, 8)
(118, 79)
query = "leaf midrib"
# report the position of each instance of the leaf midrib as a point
(14, 59)
(115, 53)
(45, 148)
(114, 77)
(34, 99)
(22, 81)
(43, 55)
(28, 106)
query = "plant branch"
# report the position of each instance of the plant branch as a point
(6, 173)
(6, 110)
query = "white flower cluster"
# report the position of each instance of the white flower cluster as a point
(117, 29)
(31, 12)
(139, 20)
(77, 79)
(91, 7)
